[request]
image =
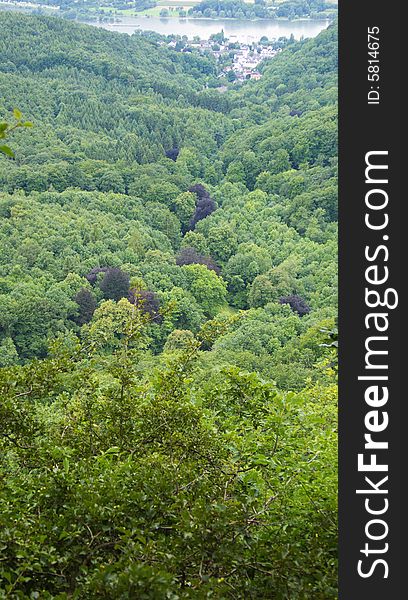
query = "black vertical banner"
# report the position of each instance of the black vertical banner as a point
(373, 423)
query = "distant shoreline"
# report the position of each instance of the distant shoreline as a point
(191, 18)
(119, 18)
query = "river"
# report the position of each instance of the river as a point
(241, 31)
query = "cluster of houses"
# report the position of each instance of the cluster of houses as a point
(244, 61)
(247, 58)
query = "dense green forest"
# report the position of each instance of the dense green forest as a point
(315, 9)
(262, 9)
(236, 9)
(168, 298)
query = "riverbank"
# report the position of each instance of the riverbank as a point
(155, 12)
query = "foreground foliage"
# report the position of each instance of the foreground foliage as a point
(160, 486)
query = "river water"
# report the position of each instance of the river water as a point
(241, 31)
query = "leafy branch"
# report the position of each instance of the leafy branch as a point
(7, 128)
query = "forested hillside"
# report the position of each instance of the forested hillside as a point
(167, 312)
